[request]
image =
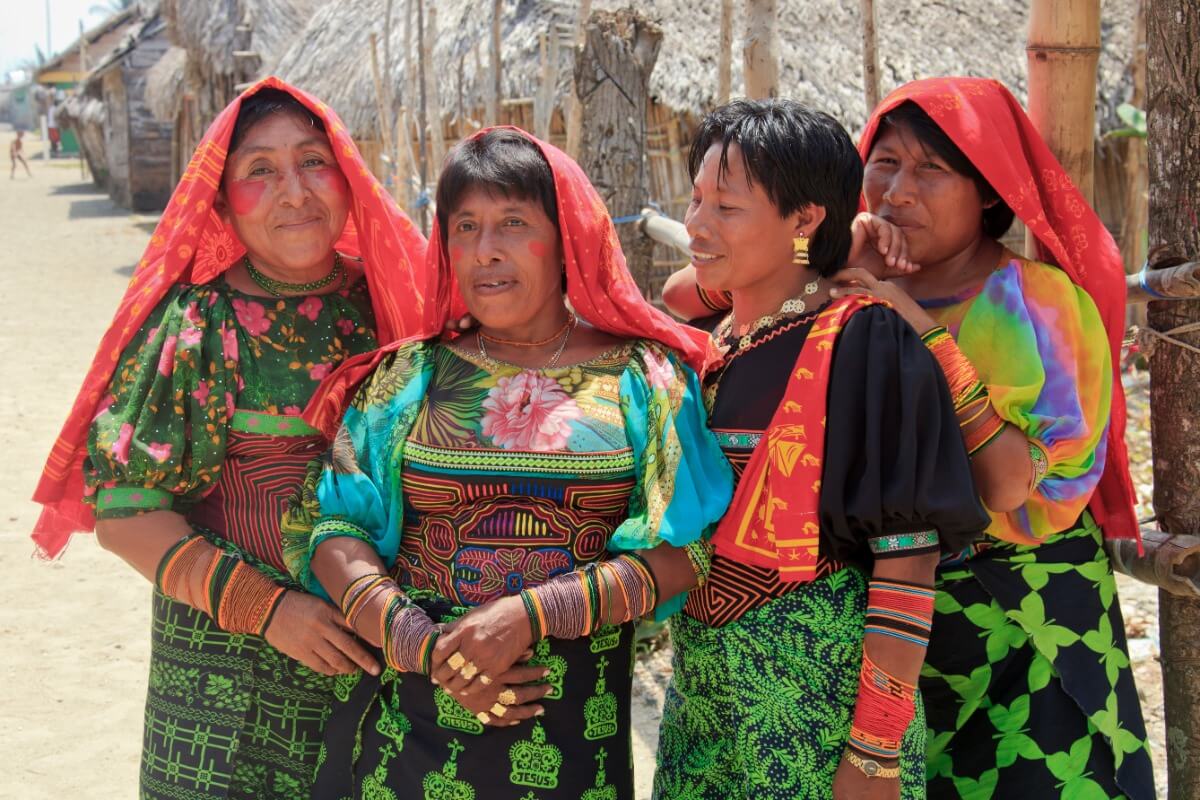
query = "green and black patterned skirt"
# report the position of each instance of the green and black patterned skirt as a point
(227, 715)
(1027, 684)
(397, 736)
(760, 708)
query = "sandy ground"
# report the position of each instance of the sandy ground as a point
(75, 632)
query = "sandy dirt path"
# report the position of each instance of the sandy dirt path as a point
(74, 642)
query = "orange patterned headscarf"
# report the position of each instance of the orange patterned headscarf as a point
(599, 288)
(191, 244)
(993, 131)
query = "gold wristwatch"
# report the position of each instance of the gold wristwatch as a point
(870, 767)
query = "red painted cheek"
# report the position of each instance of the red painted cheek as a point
(329, 179)
(245, 196)
(537, 248)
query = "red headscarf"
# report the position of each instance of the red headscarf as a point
(990, 127)
(599, 287)
(191, 244)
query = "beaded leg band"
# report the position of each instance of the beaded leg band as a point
(578, 603)
(236, 595)
(406, 633)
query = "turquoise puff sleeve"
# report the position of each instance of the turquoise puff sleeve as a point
(684, 484)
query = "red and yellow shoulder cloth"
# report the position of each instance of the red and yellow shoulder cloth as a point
(191, 244)
(993, 131)
(774, 521)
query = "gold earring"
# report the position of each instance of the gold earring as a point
(800, 250)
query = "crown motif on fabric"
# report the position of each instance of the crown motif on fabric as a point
(600, 710)
(534, 762)
(601, 791)
(445, 785)
(555, 663)
(607, 637)
(452, 715)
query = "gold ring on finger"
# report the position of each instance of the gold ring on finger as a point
(508, 697)
(483, 717)
(499, 710)
(456, 661)
(469, 671)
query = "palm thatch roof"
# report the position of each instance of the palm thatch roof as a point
(820, 51)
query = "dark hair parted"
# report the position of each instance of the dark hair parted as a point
(263, 104)
(912, 118)
(501, 161)
(800, 157)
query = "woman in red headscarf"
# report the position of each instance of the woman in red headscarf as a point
(1028, 647)
(277, 258)
(499, 507)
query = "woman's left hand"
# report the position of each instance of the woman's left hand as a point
(850, 783)
(856, 280)
(490, 638)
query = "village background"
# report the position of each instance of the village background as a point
(133, 93)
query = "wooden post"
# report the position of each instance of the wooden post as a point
(725, 57)
(760, 56)
(574, 110)
(493, 92)
(611, 77)
(870, 56)
(1063, 52)
(1172, 74)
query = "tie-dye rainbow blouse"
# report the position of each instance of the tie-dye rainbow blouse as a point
(1037, 341)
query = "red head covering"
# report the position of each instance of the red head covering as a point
(599, 287)
(191, 244)
(990, 127)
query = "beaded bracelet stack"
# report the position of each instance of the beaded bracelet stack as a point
(236, 595)
(980, 424)
(406, 633)
(580, 602)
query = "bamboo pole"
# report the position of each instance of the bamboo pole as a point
(870, 56)
(493, 93)
(760, 55)
(1063, 52)
(574, 107)
(725, 59)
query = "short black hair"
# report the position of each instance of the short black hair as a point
(912, 118)
(499, 160)
(800, 157)
(263, 104)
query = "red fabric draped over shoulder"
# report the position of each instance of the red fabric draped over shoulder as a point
(191, 244)
(599, 288)
(993, 131)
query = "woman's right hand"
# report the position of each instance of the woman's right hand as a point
(314, 633)
(519, 679)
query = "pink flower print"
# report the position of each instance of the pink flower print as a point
(529, 411)
(103, 406)
(191, 337)
(310, 307)
(659, 371)
(294, 411)
(120, 448)
(166, 360)
(192, 314)
(159, 451)
(201, 392)
(251, 316)
(230, 343)
(346, 326)
(318, 371)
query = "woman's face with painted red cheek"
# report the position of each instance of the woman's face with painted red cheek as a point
(507, 256)
(285, 195)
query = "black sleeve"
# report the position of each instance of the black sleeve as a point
(894, 462)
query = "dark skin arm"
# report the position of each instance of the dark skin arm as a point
(303, 627)
(900, 659)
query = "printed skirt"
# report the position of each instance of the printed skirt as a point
(761, 707)
(399, 736)
(1028, 687)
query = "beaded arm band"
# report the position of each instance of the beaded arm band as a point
(578, 603)
(236, 595)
